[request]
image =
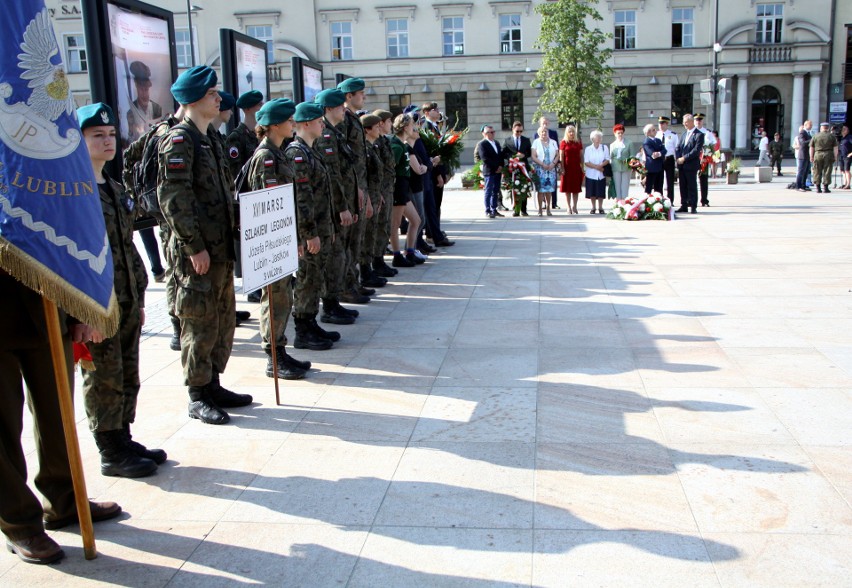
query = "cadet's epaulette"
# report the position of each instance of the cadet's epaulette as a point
(177, 139)
(268, 162)
(233, 152)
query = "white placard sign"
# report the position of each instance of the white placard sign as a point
(268, 234)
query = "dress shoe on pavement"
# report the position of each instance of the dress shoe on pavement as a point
(400, 260)
(497, 213)
(682, 209)
(101, 511)
(38, 549)
(243, 315)
(444, 243)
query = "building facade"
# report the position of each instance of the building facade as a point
(478, 58)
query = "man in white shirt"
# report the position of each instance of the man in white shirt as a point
(670, 140)
(709, 140)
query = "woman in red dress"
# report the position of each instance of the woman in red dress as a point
(571, 160)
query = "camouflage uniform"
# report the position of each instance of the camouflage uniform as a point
(269, 169)
(388, 179)
(353, 130)
(197, 202)
(337, 158)
(241, 144)
(111, 390)
(375, 170)
(313, 219)
(824, 145)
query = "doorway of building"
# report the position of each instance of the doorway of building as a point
(767, 114)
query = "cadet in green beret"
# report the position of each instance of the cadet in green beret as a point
(242, 141)
(353, 88)
(388, 180)
(315, 228)
(197, 203)
(268, 168)
(375, 176)
(338, 159)
(111, 389)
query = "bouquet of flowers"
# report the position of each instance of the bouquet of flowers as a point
(449, 146)
(473, 177)
(635, 164)
(517, 178)
(644, 207)
(707, 153)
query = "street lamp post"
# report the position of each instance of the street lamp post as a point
(189, 9)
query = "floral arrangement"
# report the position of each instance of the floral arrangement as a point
(707, 153)
(517, 178)
(644, 207)
(473, 177)
(448, 145)
(635, 164)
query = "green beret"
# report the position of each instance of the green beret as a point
(228, 101)
(96, 115)
(383, 114)
(249, 99)
(330, 98)
(275, 112)
(140, 71)
(370, 120)
(308, 111)
(192, 85)
(351, 85)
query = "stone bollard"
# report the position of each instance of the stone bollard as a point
(763, 175)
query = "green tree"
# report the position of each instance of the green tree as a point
(574, 70)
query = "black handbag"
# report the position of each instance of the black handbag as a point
(607, 170)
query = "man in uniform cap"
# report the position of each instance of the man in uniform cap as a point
(353, 89)
(338, 159)
(709, 141)
(197, 203)
(669, 139)
(823, 152)
(143, 111)
(314, 226)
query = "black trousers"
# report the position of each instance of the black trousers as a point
(669, 171)
(702, 181)
(688, 188)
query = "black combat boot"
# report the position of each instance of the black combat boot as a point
(174, 344)
(370, 279)
(330, 335)
(118, 460)
(202, 407)
(158, 456)
(332, 313)
(291, 361)
(825, 189)
(306, 338)
(224, 397)
(382, 268)
(287, 372)
(353, 296)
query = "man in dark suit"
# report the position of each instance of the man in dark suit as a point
(518, 146)
(491, 155)
(689, 162)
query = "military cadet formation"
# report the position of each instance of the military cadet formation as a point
(349, 172)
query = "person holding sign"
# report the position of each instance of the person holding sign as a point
(315, 229)
(268, 168)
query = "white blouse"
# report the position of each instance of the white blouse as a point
(596, 156)
(541, 151)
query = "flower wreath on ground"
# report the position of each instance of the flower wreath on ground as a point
(644, 207)
(518, 179)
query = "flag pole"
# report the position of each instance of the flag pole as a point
(274, 343)
(69, 426)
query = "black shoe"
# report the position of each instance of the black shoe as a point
(158, 456)
(524, 213)
(400, 260)
(352, 296)
(444, 243)
(379, 262)
(516, 213)
(414, 259)
(497, 213)
(291, 361)
(694, 211)
(826, 190)
(223, 397)
(174, 343)
(424, 248)
(243, 315)
(336, 318)
(682, 209)
(202, 407)
(363, 291)
(118, 460)
(306, 338)
(332, 336)
(819, 190)
(254, 296)
(284, 371)
(371, 280)
(489, 214)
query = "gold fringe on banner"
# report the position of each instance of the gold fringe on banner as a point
(39, 278)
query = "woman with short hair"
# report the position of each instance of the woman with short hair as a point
(621, 150)
(595, 157)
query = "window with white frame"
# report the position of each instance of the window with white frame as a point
(625, 29)
(263, 33)
(510, 33)
(341, 40)
(683, 34)
(453, 35)
(770, 21)
(183, 48)
(75, 54)
(397, 35)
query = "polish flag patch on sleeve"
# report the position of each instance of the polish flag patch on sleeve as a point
(329, 151)
(268, 162)
(176, 163)
(271, 182)
(177, 139)
(299, 159)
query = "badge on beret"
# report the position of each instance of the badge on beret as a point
(268, 162)
(105, 117)
(176, 163)
(233, 152)
(177, 139)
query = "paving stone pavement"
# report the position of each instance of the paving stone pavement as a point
(563, 401)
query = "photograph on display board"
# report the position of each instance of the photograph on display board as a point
(307, 79)
(143, 70)
(251, 68)
(312, 79)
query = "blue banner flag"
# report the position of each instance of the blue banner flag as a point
(52, 232)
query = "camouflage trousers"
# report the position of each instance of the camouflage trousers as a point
(171, 285)
(823, 164)
(335, 268)
(205, 306)
(111, 390)
(282, 304)
(353, 251)
(310, 280)
(382, 234)
(371, 228)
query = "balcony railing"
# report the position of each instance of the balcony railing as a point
(275, 72)
(770, 53)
